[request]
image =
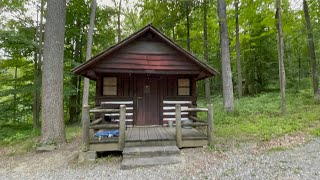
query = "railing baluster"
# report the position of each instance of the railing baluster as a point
(210, 124)
(85, 128)
(178, 126)
(122, 124)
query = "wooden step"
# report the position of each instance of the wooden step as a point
(130, 163)
(147, 143)
(150, 151)
(134, 157)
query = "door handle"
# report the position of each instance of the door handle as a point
(139, 98)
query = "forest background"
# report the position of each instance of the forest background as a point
(257, 113)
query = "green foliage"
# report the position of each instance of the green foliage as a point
(259, 117)
(14, 133)
(315, 131)
(72, 132)
(21, 137)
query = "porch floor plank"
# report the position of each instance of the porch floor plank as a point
(153, 134)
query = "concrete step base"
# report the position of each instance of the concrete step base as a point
(130, 163)
(150, 151)
(134, 157)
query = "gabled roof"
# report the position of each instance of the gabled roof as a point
(84, 66)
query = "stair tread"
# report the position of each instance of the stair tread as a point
(129, 163)
(151, 149)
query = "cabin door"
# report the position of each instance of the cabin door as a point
(147, 101)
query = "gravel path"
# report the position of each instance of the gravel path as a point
(245, 162)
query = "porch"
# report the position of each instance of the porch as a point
(150, 136)
(188, 134)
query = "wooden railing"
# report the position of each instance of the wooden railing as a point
(86, 125)
(209, 122)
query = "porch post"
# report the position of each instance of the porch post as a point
(122, 124)
(178, 126)
(210, 124)
(85, 128)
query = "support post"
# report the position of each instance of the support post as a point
(122, 124)
(210, 124)
(85, 128)
(178, 126)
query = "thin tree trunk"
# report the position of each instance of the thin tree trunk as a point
(312, 53)
(299, 71)
(15, 94)
(73, 106)
(225, 56)
(35, 78)
(119, 28)
(52, 76)
(85, 96)
(37, 71)
(188, 24)
(282, 74)
(205, 48)
(236, 5)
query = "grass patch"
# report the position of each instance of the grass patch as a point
(278, 148)
(72, 131)
(259, 117)
(315, 131)
(21, 137)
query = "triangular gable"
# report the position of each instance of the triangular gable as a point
(147, 49)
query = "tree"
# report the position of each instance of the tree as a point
(205, 48)
(37, 71)
(282, 74)
(312, 53)
(188, 24)
(85, 97)
(225, 56)
(52, 127)
(118, 22)
(236, 7)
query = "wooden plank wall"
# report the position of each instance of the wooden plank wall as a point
(126, 90)
(147, 54)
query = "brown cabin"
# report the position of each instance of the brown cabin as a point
(144, 85)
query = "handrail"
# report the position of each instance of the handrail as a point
(209, 122)
(98, 110)
(194, 109)
(86, 125)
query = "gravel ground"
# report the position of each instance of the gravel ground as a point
(245, 161)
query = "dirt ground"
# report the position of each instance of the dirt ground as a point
(229, 160)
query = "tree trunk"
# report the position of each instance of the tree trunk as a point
(236, 6)
(119, 28)
(282, 74)
(85, 96)
(73, 101)
(37, 71)
(312, 53)
(205, 48)
(52, 76)
(15, 94)
(35, 117)
(188, 24)
(225, 56)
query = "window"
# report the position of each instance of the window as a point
(184, 87)
(110, 86)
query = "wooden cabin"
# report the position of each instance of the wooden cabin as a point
(150, 75)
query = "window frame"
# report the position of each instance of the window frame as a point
(116, 86)
(189, 87)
